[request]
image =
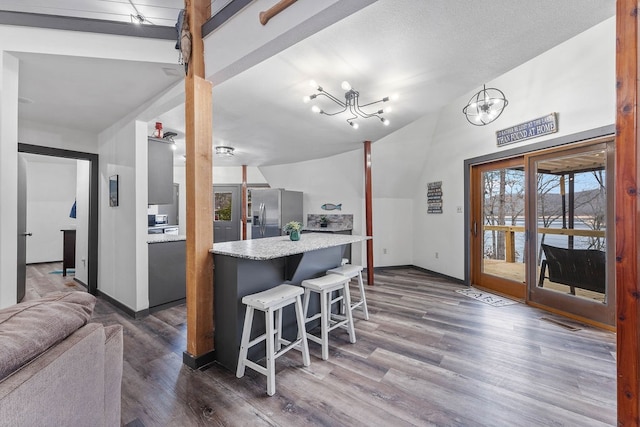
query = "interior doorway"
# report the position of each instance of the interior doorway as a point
(226, 212)
(92, 203)
(538, 226)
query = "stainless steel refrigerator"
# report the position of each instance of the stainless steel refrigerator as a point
(271, 209)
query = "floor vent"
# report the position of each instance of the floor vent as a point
(559, 323)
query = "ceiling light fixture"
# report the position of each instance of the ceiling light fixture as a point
(485, 106)
(222, 150)
(137, 17)
(351, 102)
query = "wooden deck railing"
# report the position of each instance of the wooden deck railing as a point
(511, 230)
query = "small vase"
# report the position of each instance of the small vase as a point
(294, 235)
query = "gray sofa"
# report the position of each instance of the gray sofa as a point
(56, 368)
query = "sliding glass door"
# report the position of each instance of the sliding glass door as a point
(570, 212)
(497, 229)
(539, 229)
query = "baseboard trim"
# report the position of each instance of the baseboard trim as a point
(197, 362)
(424, 270)
(80, 282)
(167, 305)
(122, 307)
(44, 262)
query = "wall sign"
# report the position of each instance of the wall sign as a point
(531, 129)
(434, 197)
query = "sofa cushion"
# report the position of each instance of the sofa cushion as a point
(30, 328)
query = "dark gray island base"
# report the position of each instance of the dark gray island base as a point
(250, 266)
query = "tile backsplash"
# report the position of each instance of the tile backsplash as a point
(335, 220)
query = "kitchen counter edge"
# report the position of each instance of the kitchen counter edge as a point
(164, 238)
(282, 246)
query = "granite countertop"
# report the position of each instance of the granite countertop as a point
(281, 246)
(164, 238)
(330, 227)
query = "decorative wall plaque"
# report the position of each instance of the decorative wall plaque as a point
(531, 129)
(434, 197)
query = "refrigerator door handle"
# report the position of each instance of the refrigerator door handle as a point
(263, 219)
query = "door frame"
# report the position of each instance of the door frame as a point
(500, 284)
(92, 246)
(604, 131)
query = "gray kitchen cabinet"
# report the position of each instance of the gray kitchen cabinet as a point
(167, 274)
(160, 172)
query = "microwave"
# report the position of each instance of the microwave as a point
(162, 219)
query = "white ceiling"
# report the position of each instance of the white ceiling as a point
(427, 52)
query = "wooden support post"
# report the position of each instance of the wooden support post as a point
(244, 202)
(510, 246)
(368, 210)
(198, 130)
(627, 214)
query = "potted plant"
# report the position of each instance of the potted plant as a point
(293, 228)
(324, 221)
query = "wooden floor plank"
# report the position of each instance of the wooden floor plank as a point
(428, 356)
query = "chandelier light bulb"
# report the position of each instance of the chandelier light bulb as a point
(315, 109)
(345, 85)
(385, 121)
(306, 99)
(354, 125)
(174, 147)
(313, 84)
(388, 109)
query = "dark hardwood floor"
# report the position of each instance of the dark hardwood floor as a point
(428, 356)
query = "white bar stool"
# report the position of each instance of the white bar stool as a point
(324, 286)
(271, 302)
(351, 271)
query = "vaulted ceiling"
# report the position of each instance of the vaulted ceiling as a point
(429, 52)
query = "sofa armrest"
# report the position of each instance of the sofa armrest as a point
(112, 375)
(65, 385)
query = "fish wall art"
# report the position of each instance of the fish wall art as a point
(331, 207)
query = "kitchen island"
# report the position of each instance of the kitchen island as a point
(248, 266)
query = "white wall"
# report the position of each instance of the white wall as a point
(51, 191)
(340, 180)
(57, 137)
(82, 219)
(9, 67)
(233, 174)
(123, 264)
(336, 179)
(575, 79)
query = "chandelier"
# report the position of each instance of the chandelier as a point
(485, 106)
(351, 104)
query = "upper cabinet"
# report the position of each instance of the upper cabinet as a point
(160, 172)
